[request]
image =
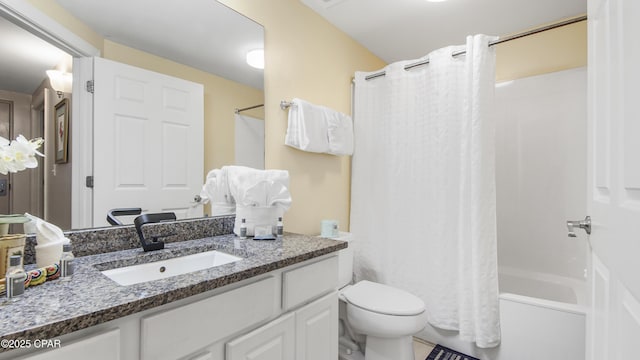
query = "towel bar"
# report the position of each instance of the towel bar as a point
(284, 105)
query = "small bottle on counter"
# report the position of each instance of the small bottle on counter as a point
(279, 228)
(66, 262)
(243, 229)
(14, 280)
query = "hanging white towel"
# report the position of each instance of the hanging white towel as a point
(307, 127)
(319, 129)
(340, 134)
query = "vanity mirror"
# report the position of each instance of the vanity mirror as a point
(204, 35)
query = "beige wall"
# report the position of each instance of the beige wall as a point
(554, 50)
(309, 58)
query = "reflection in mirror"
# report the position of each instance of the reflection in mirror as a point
(204, 42)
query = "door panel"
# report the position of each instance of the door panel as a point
(614, 176)
(148, 141)
(6, 114)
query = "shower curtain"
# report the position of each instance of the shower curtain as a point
(423, 206)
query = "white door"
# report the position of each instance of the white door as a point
(614, 178)
(148, 141)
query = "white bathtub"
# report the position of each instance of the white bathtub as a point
(542, 317)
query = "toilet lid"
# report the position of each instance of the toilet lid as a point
(383, 299)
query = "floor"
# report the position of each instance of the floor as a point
(421, 348)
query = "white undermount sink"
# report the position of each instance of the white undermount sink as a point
(162, 269)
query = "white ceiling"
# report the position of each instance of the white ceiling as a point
(25, 58)
(408, 29)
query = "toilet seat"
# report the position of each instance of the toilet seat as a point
(383, 299)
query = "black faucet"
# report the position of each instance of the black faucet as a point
(111, 215)
(149, 219)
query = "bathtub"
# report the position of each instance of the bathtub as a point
(542, 316)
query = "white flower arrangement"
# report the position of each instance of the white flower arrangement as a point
(19, 154)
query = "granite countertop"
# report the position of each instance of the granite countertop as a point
(59, 307)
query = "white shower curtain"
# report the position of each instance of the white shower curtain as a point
(423, 206)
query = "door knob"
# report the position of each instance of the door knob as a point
(582, 224)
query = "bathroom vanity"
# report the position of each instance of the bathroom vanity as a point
(278, 302)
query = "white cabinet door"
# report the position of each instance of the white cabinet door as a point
(317, 329)
(148, 141)
(614, 178)
(274, 341)
(204, 356)
(105, 346)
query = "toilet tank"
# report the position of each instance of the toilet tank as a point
(345, 260)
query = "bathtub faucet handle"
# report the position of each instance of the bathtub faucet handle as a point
(582, 224)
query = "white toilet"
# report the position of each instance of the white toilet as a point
(383, 317)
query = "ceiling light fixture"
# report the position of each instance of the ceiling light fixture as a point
(255, 58)
(60, 81)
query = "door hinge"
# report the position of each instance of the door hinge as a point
(89, 181)
(90, 86)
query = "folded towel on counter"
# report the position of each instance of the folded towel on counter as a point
(216, 191)
(240, 178)
(261, 196)
(266, 193)
(258, 196)
(261, 205)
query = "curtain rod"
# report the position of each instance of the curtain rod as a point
(492, 43)
(248, 108)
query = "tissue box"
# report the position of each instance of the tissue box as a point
(256, 215)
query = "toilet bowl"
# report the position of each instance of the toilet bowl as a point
(375, 318)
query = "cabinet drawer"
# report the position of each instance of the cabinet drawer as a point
(309, 282)
(181, 331)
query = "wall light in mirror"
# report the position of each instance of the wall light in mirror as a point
(60, 81)
(255, 58)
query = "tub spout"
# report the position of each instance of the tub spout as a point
(582, 224)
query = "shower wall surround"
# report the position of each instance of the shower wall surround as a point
(541, 136)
